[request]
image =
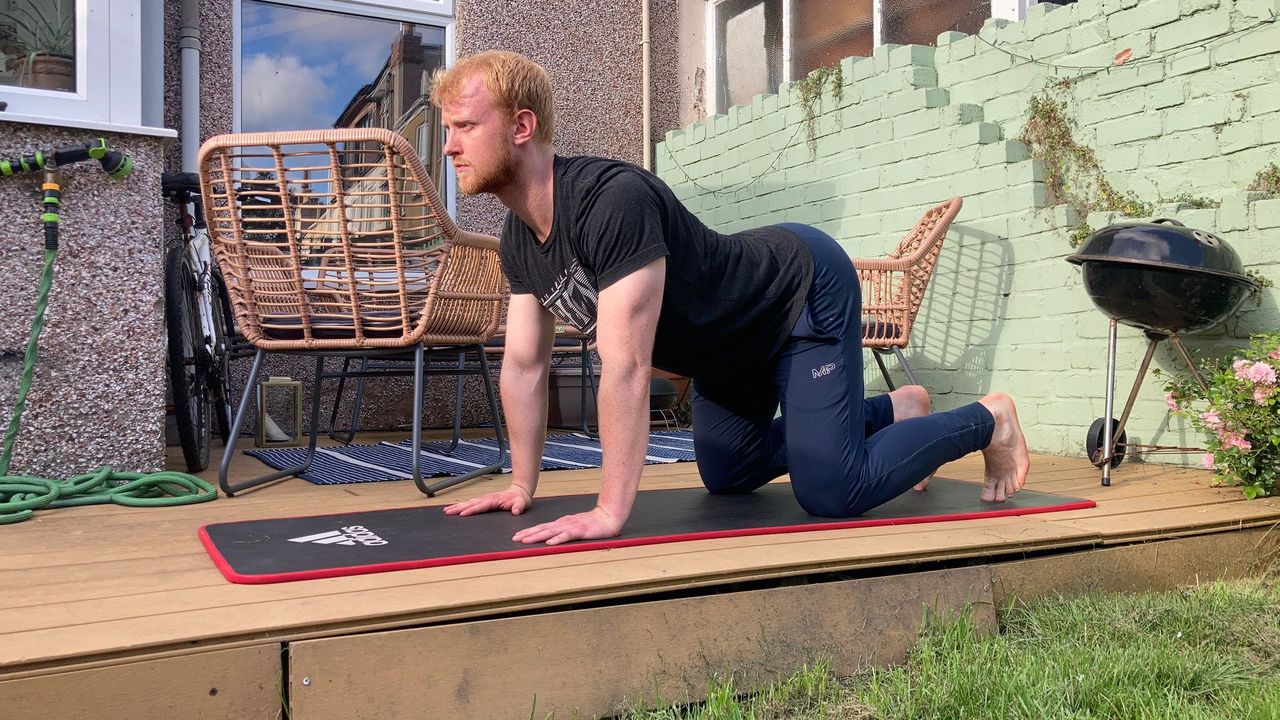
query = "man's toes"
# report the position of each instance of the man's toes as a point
(988, 491)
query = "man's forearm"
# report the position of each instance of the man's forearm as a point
(524, 403)
(624, 436)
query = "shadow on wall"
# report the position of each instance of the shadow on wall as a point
(954, 340)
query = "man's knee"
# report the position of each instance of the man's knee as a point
(829, 506)
(830, 499)
(736, 480)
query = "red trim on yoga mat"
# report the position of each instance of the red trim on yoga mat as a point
(540, 549)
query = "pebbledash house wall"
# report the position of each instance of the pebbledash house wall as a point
(97, 393)
(1195, 112)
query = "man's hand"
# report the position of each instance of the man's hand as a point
(515, 498)
(593, 525)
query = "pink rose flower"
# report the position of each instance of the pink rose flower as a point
(1207, 460)
(1235, 440)
(1274, 354)
(1211, 420)
(1171, 400)
(1241, 369)
(1262, 373)
(1262, 393)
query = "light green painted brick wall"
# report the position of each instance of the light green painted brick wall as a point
(1195, 112)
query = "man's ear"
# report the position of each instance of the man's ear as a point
(525, 125)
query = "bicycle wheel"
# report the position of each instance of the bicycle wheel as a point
(220, 366)
(188, 364)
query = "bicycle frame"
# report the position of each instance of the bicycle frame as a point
(198, 312)
(195, 238)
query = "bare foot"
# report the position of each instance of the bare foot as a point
(911, 401)
(1006, 458)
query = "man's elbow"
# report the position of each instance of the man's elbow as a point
(524, 372)
(627, 371)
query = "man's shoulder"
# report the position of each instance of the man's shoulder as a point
(589, 173)
(591, 164)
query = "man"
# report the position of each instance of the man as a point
(759, 319)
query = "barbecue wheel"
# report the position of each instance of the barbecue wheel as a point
(1093, 443)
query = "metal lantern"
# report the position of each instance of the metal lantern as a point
(279, 412)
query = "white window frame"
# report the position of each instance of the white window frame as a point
(438, 13)
(111, 45)
(1008, 9)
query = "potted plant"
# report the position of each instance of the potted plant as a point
(44, 43)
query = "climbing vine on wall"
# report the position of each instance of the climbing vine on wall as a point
(811, 89)
(1072, 173)
(1267, 180)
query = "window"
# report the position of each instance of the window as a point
(750, 54)
(81, 62)
(38, 43)
(303, 68)
(759, 44)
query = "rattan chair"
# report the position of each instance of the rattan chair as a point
(893, 287)
(334, 243)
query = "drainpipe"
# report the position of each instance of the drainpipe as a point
(645, 111)
(189, 46)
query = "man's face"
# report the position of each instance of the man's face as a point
(479, 139)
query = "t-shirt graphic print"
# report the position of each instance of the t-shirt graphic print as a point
(573, 299)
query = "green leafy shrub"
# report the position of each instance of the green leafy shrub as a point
(1239, 415)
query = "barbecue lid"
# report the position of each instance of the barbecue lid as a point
(1163, 242)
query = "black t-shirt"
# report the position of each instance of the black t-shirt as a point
(729, 301)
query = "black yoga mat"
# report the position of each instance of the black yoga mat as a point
(320, 546)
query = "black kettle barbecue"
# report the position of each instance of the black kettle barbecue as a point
(1166, 280)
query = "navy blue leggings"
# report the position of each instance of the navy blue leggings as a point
(844, 453)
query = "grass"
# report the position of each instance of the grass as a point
(1211, 651)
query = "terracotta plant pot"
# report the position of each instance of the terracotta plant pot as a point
(45, 72)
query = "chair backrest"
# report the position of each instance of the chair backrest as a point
(893, 288)
(336, 239)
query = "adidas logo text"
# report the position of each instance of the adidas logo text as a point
(350, 535)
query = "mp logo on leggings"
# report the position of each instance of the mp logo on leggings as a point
(824, 370)
(346, 536)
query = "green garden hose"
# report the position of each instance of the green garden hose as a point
(21, 494)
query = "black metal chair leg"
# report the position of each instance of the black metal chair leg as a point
(358, 403)
(588, 380)
(229, 488)
(337, 401)
(493, 409)
(229, 449)
(875, 353)
(415, 462)
(433, 488)
(902, 360)
(457, 402)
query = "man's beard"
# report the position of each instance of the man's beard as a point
(498, 176)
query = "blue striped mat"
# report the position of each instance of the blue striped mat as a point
(390, 461)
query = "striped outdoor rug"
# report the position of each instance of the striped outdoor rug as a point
(390, 461)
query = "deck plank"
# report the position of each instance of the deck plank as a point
(104, 584)
(74, 629)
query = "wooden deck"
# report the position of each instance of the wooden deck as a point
(111, 612)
